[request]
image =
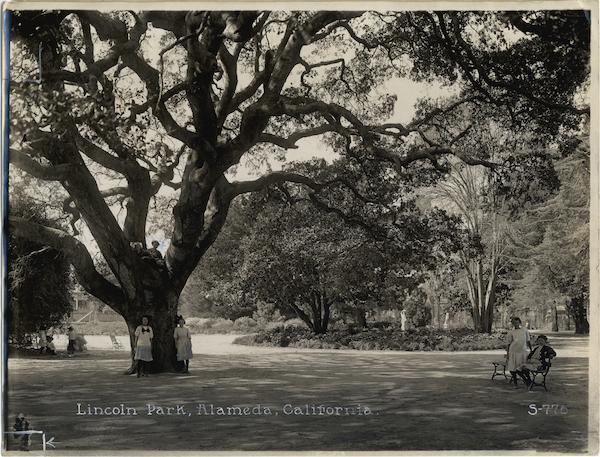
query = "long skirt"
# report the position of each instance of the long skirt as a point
(143, 353)
(516, 359)
(184, 349)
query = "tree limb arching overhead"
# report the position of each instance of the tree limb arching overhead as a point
(225, 84)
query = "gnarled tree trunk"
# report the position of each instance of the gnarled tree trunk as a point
(162, 318)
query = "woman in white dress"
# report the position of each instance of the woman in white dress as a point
(517, 350)
(183, 342)
(143, 347)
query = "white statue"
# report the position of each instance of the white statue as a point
(446, 320)
(403, 320)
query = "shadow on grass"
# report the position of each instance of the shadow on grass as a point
(433, 402)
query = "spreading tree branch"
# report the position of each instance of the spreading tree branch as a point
(22, 160)
(76, 253)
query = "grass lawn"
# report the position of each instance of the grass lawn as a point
(433, 401)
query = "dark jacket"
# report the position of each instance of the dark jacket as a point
(21, 425)
(546, 353)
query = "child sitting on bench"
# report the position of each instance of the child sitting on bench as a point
(538, 359)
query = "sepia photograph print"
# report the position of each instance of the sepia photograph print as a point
(273, 229)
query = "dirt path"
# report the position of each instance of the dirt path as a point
(218, 344)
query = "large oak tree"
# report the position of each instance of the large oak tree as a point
(114, 122)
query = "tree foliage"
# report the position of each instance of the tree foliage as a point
(118, 126)
(39, 278)
(555, 234)
(489, 199)
(310, 261)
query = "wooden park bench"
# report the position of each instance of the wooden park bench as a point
(115, 342)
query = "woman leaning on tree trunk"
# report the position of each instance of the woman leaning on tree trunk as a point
(143, 347)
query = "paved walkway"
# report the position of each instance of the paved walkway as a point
(569, 345)
(418, 401)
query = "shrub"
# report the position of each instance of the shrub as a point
(273, 325)
(194, 321)
(198, 325)
(379, 337)
(246, 340)
(245, 325)
(210, 326)
(296, 322)
(222, 326)
(266, 313)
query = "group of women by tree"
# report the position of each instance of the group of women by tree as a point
(143, 346)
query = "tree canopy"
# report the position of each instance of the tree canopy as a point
(282, 247)
(554, 235)
(132, 107)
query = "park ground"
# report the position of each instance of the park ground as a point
(420, 401)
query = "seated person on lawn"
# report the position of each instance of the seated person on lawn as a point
(50, 348)
(538, 359)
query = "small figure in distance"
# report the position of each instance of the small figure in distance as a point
(80, 343)
(137, 247)
(43, 340)
(72, 338)
(50, 348)
(152, 254)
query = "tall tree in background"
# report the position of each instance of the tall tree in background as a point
(489, 198)
(482, 256)
(349, 253)
(555, 234)
(232, 84)
(292, 259)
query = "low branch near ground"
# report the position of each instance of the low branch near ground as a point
(76, 253)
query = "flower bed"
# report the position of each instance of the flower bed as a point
(378, 337)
